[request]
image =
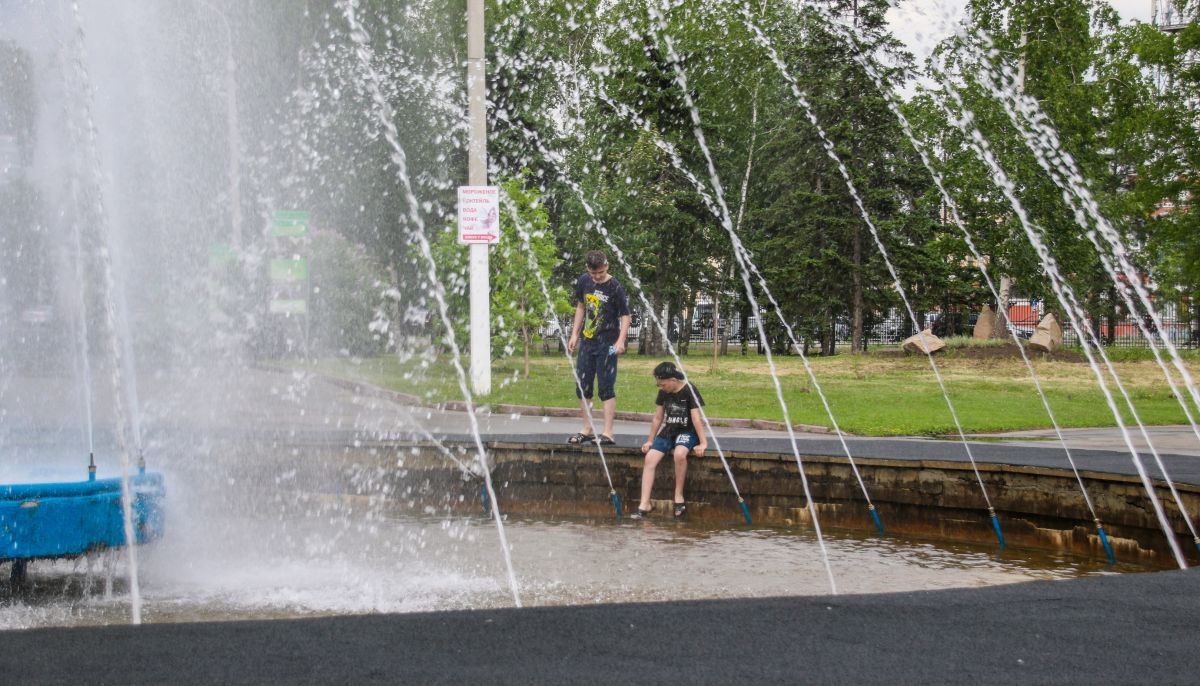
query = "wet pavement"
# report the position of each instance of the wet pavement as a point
(1123, 628)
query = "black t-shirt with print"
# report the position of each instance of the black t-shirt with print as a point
(603, 306)
(677, 410)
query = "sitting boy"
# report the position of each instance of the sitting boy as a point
(677, 427)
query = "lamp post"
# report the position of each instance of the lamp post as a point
(481, 339)
(233, 139)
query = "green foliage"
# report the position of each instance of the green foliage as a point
(807, 229)
(1165, 153)
(346, 293)
(520, 265)
(1094, 82)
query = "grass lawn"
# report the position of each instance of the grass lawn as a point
(881, 394)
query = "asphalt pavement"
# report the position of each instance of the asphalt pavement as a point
(1121, 629)
(1129, 628)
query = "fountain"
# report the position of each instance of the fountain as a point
(55, 520)
(217, 219)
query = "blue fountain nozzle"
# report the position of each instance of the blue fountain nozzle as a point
(875, 516)
(996, 526)
(1112, 559)
(745, 510)
(141, 463)
(91, 466)
(616, 503)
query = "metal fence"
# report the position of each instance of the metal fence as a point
(892, 327)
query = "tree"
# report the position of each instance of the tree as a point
(1046, 52)
(1161, 146)
(522, 264)
(807, 228)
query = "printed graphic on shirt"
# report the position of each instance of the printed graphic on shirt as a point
(593, 313)
(603, 305)
(678, 413)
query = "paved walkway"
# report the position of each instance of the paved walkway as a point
(1178, 440)
(1121, 629)
(296, 405)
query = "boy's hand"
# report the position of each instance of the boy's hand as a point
(698, 451)
(572, 343)
(620, 346)
(646, 447)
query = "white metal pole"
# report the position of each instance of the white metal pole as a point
(481, 336)
(233, 137)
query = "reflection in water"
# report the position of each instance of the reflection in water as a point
(271, 568)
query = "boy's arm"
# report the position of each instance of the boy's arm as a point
(576, 325)
(698, 422)
(625, 320)
(655, 422)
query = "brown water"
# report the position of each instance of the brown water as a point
(297, 566)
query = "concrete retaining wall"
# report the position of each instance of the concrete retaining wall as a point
(1037, 507)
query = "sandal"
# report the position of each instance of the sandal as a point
(639, 513)
(680, 510)
(581, 438)
(605, 440)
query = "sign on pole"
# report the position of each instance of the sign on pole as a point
(289, 223)
(289, 269)
(289, 306)
(478, 214)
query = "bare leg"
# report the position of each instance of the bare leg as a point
(610, 413)
(681, 458)
(652, 459)
(586, 416)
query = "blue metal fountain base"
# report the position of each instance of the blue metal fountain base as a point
(68, 519)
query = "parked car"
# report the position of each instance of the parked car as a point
(1023, 332)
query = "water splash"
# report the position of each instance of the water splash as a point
(417, 230)
(1062, 291)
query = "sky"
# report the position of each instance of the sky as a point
(922, 23)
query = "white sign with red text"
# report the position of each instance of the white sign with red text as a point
(478, 214)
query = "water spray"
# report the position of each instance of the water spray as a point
(535, 268)
(831, 152)
(956, 219)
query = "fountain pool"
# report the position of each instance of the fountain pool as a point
(283, 565)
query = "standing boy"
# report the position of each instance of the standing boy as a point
(602, 317)
(677, 428)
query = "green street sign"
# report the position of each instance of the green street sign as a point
(293, 306)
(289, 269)
(220, 255)
(289, 223)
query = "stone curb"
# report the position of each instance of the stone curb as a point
(373, 391)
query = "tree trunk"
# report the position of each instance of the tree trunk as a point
(685, 327)
(716, 324)
(745, 326)
(830, 345)
(857, 344)
(1111, 335)
(656, 334)
(1194, 335)
(1001, 330)
(526, 339)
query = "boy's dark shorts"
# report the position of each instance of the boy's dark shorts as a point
(596, 363)
(666, 445)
